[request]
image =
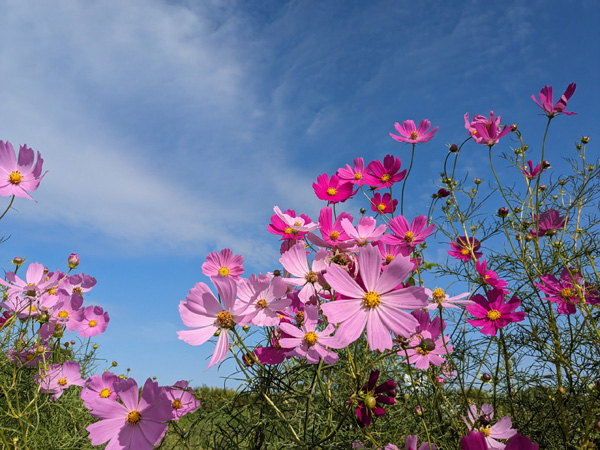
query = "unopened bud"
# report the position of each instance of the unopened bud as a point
(579, 146)
(513, 127)
(66, 344)
(439, 381)
(428, 345)
(46, 270)
(448, 202)
(562, 182)
(363, 210)
(246, 328)
(443, 193)
(17, 261)
(555, 197)
(58, 331)
(73, 260)
(562, 390)
(503, 212)
(95, 346)
(517, 210)
(453, 148)
(545, 164)
(72, 342)
(114, 364)
(598, 425)
(585, 139)
(477, 181)
(277, 273)
(154, 378)
(486, 377)
(528, 237)
(543, 187)
(418, 411)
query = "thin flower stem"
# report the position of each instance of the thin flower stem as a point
(9, 205)
(507, 369)
(412, 157)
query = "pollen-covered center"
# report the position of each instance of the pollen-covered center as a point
(493, 314)
(261, 304)
(465, 251)
(385, 177)
(371, 299)
(311, 277)
(311, 338)
(389, 259)
(422, 351)
(62, 382)
(78, 290)
(93, 323)
(331, 191)
(438, 295)
(567, 293)
(357, 176)
(381, 207)
(299, 318)
(409, 236)
(414, 135)
(288, 230)
(176, 404)
(134, 417)
(334, 235)
(63, 314)
(224, 271)
(485, 430)
(15, 177)
(225, 319)
(105, 393)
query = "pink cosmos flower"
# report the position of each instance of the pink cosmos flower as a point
(519, 442)
(533, 172)
(133, 423)
(389, 252)
(99, 388)
(492, 313)
(333, 190)
(35, 282)
(263, 297)
(68, 310)
(383, 204)
(308, 341)
(408, 132)
(282, 228)
(354, 174)
(182, 399)
(440, 298)
(464, 249)
(294, 261)
(500, 430)
(412, 442)
(333, 233)
(58, 378)
(425, 350)
(371, 397)
(434, 326)
(559, 108)
(408, 236)
(486, 131)
(79, 283)
(549, 223)
(18, 177)
(365, 232)
(565, 292)
(490, 277)
(378, 306)
(384, 175)
(94, 322)
(205, 313)
(223, 264)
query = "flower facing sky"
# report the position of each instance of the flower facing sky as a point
(486, 131)
(492, 313)
(354, 175)
(482, 420)
(333, 190)
(533, 172)
(559, 108)
(223, 264)
(409, 133)
(565, 291)
(18, 177)
(383, 204)
(99, 388)
(382, 175)
(408, 236)
(59, 377)
(465, 249)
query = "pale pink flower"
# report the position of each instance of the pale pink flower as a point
(408, 236)
(440, 298)
(99, 388)
(296, 225)
(481, 420)
(295, 262)
(223, 264)
(365, 232)
(182, 399)
(486, 131)
(18, 177)
(35, 281)
(264, 297)
(426, 350)
(59, 377)
(94, 322)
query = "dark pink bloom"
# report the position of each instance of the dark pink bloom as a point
(549, 223)
(384, 175)
(333, 190)
(333, 233)
(223, 264)
(135, 422)
(519, 442)
(18, 177)
(409, 133)
(182, 399)
(490, 277)
(475, 440)
(559, 108)
(533, 172)
(413, 440)
(99, 388)
(290, 226)
(486, 131)
(565, 292)
(58, 378)
(465, 249)
(383, 204)
(389, 252)
(481, 420)
(408, 236)
(371, 397)
(492, 313)
(353, 175)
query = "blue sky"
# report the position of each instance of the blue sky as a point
(171, 129)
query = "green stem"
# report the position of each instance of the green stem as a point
(412, 157)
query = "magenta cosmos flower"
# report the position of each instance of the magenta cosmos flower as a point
(549, 223)
(492, 313)
(408, 236)
(354, 174)
(482, 420)
(58, 378)
(18, 177)
(426, 350)
(465, 249)
(333, 190)
(371, 397)
(383, 204)
(378, 306)
(559, 108)
(383, 175)
(413, 440)
(490, 277)
(223, 264)
(332, 232)
(565, 292)
(205, 313)
(281, 225)
(182, 399)
(486, 131)
(533, 172)
(409, 133)
(134, 423)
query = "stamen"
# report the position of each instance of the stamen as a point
(389, 259)
(105, 393)
(288, 230)
(371, 300)
(385, 177)
(438, 295)
(176, 404)
(493, 314)
(414, 135)
(93, 323)
(134, 417)
(465, 251)
(63, 314)
(409, 236)
(334, 235)
(224, 271)
(225, 319)
(311, 277)
(310, 338)
(357, 176)
(62, 382)
(332, 191)
(15, 177)
(381, 207)
(261, 304)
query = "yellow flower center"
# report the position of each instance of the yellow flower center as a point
(438, 295)
(567, 293)
(312, 277)
(357, 176)
(78, 290)
(31, 309)
(465, 251)
(288, 230)
(332, 191)
(176, 404)
(105, 393)
(223, 271)
(52, 290)
(409, 236)
(93, 323)
(334, 235)
(385, 177)
(310, 338)
(371, 299)
(381, 207)
(15, 177)
(297, 224)
(493, 314)
(485, 430)
(261, 304)
(134, 417)
(63, 314)
(225, 319)
(29, 356)
(62, 381)
(422, 351)
(389, 259)
(414, 135)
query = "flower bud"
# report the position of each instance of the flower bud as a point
(513, 127)
(73, 342)
(453, 148)
(528, 237)
(95, 346)
(543, 187)
(418, 411)
(503, 212)
(246, 328)
(517, 210)
(562, 182)
(443, 193)
(58, 331)
(277, 273)
(114, 364)
(363, 210)
(427, 345)
(585, 139)
(545, 164)
(477, 181)
(370, 401)
(486, 377)
(439, 381)
(448, 202)
(562, 390)
(73, 260)
(555, 197)
(46, 270)
(66, 344)
(598, 425)
(154, 378)
(485, 420)
(579, 146)
(17, 261)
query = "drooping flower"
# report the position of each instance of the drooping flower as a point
(365, 232)
(333, 190)
(383, 204)
(18, 177)
(465, 249)
(182, 399)
(223, 264)
(99, 388)
(492, 313)
(384, 175)
(354, 174)
(409, 133)
(546, 101)
(371, 397)
(408, 236)
(486, 131)
(440, 298)
(533, 172)
(134, 422)
(59, 377)
(412, 442)
(288, 226)
(481, 421)
(378, 306)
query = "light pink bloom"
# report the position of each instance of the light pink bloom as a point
(134, 423)
(486, 131)
(68, 310)
(384, 175)
(94, 322)
(295, 224)
(223, 264)
(378, 306)
(412, 442)
(440, 298)
(409, 133)
(308, 341)
(426, 350)
(559, 108)
(365, 232)
(408, 236)
(99, 388)
(18, 177)
(389, 252)
(35, 281)
(263, 297)
(58, 378)
(353, 175)
(481, 420)
(182, 399)
(333, 190)
(294, 261)
(204, 312)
